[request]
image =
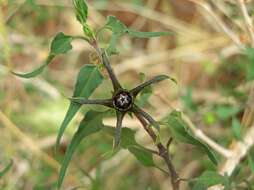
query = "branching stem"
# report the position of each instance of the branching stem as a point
(163, 152)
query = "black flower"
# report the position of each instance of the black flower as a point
(123, 100)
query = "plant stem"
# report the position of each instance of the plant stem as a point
(163, 153)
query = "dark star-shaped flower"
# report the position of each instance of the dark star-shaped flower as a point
(123, 100)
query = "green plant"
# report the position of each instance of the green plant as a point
(122, 100)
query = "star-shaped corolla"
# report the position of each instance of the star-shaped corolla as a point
(123, 101)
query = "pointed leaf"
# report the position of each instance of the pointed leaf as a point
(181, 133)
(119, 29)
(91, 124)
(61, 44)
(89, 78)
(6, 169)
(115, 25)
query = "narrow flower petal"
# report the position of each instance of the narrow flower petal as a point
(114, 80)
(104, 102)
(118, 130)
(156, 79)
(149, 118)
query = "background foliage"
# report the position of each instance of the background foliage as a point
(213, 83)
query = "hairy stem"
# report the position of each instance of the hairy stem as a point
(163, 152)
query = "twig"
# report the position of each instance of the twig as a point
(163, 152)
(247, 20)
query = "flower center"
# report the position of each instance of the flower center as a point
(122, 101)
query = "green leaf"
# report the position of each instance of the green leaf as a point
(61, 44)
(6, 169)
(208, 179)
(81, 10)
(236, 128)
(119, 29)
(180, 132)
(89, 78)
(91, 124)
(127, 136)
(115, 25)
(36, 71)
(197, 186)
(142, 155)
(129, 142)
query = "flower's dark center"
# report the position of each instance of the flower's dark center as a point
(122, 101)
